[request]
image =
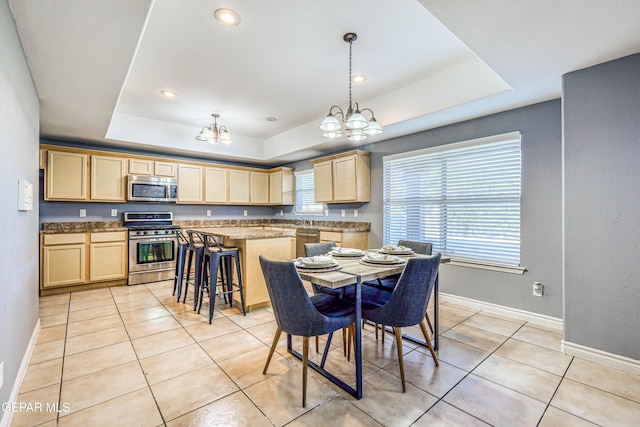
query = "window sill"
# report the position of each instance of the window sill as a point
(512, 269)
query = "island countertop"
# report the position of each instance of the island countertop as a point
(244, 233)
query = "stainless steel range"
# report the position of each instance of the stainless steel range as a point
(153, 246)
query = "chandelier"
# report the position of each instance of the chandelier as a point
(357, 127)
(212, 133)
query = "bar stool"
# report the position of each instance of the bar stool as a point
(217, 258)
(195, 248)
(183, 244)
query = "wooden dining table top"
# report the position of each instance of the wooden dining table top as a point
(351, 268)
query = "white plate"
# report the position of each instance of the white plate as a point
(346, 252)
(316, 262)
(383, 259)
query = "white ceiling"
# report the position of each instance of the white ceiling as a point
(99, 66)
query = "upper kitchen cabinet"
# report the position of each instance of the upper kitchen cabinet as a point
(42, 159)
(190, 184)
(343, 178)
(281, 187)
(168, 169)
(140, 167)
(259, 188)
(108, 179)
(151, 167)
(66, 177)
(216, 185)
(239, 188)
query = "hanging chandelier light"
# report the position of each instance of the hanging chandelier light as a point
(212, 133)
(357, 127)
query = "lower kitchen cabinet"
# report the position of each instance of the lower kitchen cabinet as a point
(108, 256)
(63, 260)
(356, 239)
(71, 260)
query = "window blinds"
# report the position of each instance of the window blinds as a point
(305, 199)
(464, 198)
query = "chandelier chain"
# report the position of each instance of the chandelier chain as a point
(350, 83)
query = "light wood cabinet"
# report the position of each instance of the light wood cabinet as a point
(108, 178)
(216, 185)
(169, 169)
(281, 191)
(107, 256)
(77, 259)
(63, 260)
(356, 239)
(66, 177)
(41, 161)
(140, 167)
(259, 188)
(239, 188)
(190, 184)
(343, 178)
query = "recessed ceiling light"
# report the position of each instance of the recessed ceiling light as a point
(227, 17)
(359, 78)
(270, 119)
(168, 93)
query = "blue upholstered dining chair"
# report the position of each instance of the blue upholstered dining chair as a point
(407, 304)
(388, 283)
(299, 314)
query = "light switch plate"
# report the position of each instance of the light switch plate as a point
(343, 213)
(245, 212)
(355, 213)
(281, 212)
(114, 212)
(326, 212)
(83, 213)
(208, 212)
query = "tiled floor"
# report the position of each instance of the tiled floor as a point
(131, 356)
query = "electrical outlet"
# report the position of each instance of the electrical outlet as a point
(245, 212)
(281, 212)
(326, 212)
(343, 213)
(538, 289)
(83, 213)
(114, 212)
(355, 213)
(208, 212)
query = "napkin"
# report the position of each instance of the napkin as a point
(380, 257)
(347, 250)
(390, 248)
(319, 259)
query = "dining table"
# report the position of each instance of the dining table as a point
(352, 271)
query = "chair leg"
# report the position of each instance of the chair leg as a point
(398, 332)
(376, 332)
(426, 317)
(305, 360)
(426, 337)
(317, 344)
(273, 348)
(344, 341)
(382, 331)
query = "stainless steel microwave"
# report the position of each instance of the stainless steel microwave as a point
(142, 188)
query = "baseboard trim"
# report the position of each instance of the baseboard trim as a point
(5, 421)
(602, 357)
(540, 319)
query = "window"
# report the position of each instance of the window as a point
(305, 199)
(463, 197)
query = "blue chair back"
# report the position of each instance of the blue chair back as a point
(315, 249)
(423, 248)
(294, 312)
(408, 303)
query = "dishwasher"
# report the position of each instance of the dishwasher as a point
(305, 235)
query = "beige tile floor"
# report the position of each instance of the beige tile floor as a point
(132, 356)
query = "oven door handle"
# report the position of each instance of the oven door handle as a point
(153, 239)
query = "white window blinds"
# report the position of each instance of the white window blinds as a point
(464, 198)
(305, 199)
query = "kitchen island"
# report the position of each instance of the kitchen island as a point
(253, 242)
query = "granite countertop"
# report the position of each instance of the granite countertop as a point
(81, 227)
(244, 233)
(250, 226)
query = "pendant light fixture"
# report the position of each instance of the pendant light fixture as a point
(357, 127)
(212, 133)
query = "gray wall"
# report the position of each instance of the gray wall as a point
(601, 109)
(19, 230)
(541, 216)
